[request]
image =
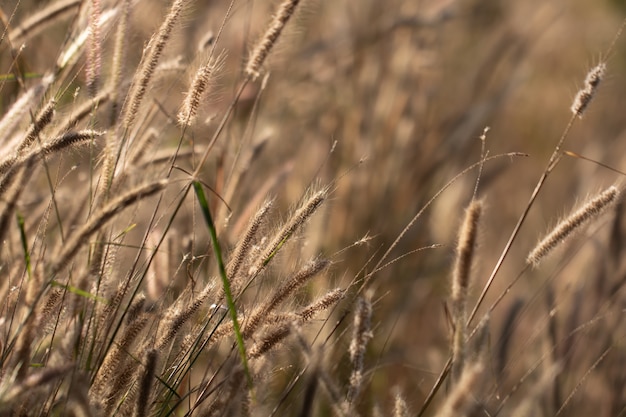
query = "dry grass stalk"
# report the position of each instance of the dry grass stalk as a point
(585, 95)
(460, 283)
(591, 209)
(361, 335)
(149, 63)
(99, 219)
(202, 83)
(265, 45)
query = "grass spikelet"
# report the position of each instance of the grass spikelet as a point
(361, 335)
(400, 407)
(110, 365)
(270, 339)
(99, 219)
(135, 309)
(149, 63)
(74, 49)
(263, 48)
(325, 302)
(202, 83)
(460, 283)
(591, 209)
(119, 57)
(43, 119)
(177, 317)
(245, 242)
(145, 386)
(296, 281)
(94, 52)
(69, 139)
(9, 165)
(289, 228)
(585, 94)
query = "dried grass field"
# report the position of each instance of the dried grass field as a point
(312, 208)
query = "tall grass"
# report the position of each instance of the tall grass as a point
(264, 222)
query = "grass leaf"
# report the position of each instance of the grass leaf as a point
(220, 262)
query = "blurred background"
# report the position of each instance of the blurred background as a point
(387, 101)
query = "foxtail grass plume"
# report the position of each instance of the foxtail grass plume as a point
(299, 218)
(585, 94)
(149, 63)
(94, 51)
(460, 283)
(592, 208)
(267, 42)
(200, 86)
(361, 335)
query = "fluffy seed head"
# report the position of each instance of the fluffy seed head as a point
(201, 84)
(584, 95)
(263, 48)
(573, 222)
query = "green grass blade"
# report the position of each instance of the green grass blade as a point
(220, 262)
(79, 292)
